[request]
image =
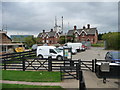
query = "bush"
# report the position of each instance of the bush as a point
(112, 40)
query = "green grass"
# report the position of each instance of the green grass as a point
(26, 86)
(31, 76)
(98, 45)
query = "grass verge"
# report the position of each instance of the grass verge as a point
(31, 76)
(26, 86)
(98, 45)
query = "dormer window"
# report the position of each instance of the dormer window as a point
(83, 34)
(47, 37)
(76, 35)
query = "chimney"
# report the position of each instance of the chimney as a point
(88, 26)
(51, 30)
(75, 27)
(43, 31)
(83, 27)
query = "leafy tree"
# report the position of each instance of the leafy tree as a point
(29, 41)
(100, 36)
(112, 40)
(62, 40)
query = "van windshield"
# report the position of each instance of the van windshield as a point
(58, 50)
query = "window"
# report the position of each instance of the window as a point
(47, 41)
(83, 34)
(52, 51)
(76, 35)
(43, 41)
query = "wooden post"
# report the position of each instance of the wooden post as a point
(77, 71)
(50, 64)
(79, 64)
(61, 72)
(71, 63)
(92, 65)
(23, 61)
(81, 81)
(4, 64)
(95, 65)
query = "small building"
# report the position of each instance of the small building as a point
(84, 34)
(51, 37)
(6, 43)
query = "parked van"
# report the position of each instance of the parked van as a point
(74, 51)
(46, 51)
(76, 46)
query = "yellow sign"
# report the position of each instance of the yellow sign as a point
(19, 49)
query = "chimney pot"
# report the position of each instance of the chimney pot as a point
(83, 27)
(51, 30)
(88, 26)
(43, 31)
(75, 27)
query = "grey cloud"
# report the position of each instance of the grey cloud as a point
(34, 17)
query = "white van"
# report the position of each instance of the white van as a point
(76, 46)
(46, 51)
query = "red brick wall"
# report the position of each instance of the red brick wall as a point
(92, 38)
(4, 38)
(51, 40)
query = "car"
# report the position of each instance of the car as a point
(34, 47)
(113, 56)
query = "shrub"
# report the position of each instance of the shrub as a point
(112, 40)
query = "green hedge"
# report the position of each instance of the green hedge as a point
(112, 40)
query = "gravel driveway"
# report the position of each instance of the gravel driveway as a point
(92, 53)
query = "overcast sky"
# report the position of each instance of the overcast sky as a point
(33, 17)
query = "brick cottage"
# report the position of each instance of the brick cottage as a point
(84, 34)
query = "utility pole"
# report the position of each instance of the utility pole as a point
(62, 24)
(55, 21)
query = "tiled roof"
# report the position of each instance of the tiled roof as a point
(51, 34)
(88, 31)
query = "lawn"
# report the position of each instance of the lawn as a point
(31, 76)
(27, 86)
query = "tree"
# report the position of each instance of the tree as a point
(29, 41)
(100, 36)
(62, 40)
(112, 40)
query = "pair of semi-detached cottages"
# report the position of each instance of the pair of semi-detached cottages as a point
(51, 37)
(84, 34)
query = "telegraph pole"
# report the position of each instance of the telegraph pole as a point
(62, 23)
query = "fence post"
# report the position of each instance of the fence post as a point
(79, 64)
(4, 64)
(23, 61)
(61, 72)
(50, 64)
(93, 65)
(77, 71)
(71, 63)
(81, 81)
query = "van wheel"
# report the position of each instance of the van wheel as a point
(59, 58)
(40, 56)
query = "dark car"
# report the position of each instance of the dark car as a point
(113, 56)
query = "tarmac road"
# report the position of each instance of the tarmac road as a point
(92, 53)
